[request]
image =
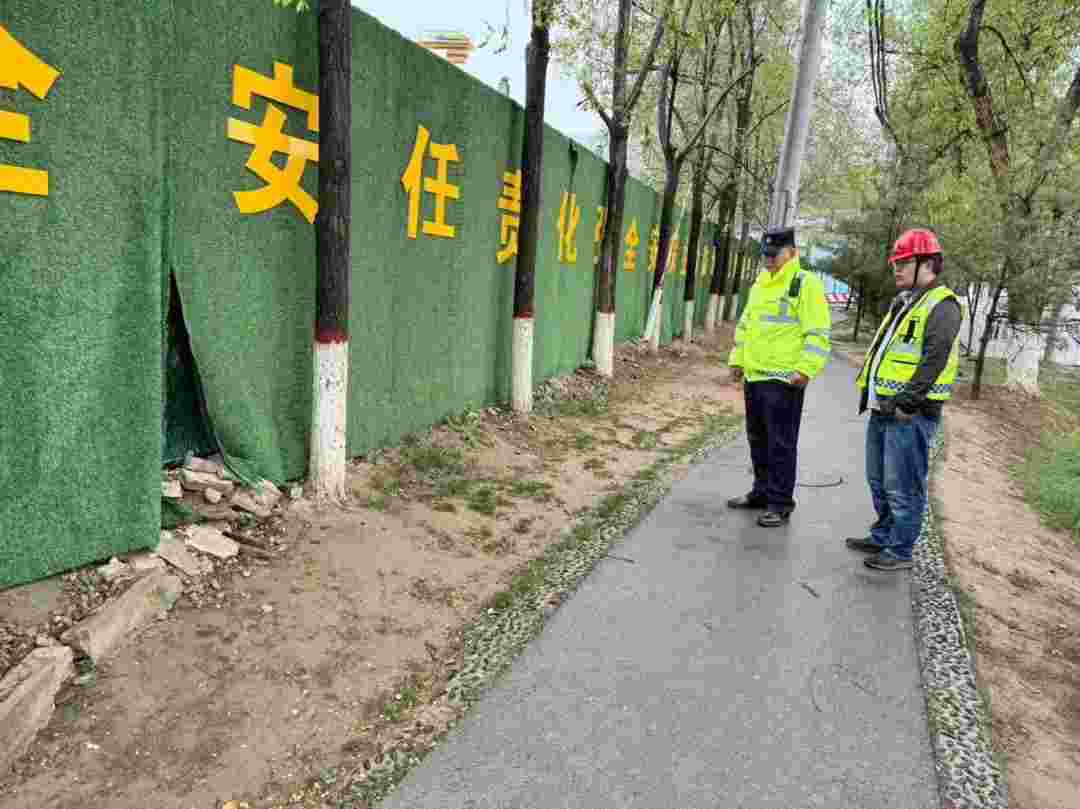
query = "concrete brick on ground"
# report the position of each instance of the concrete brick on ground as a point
(27, 699)
(146, 600)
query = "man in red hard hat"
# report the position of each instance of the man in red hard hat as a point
(907, 377)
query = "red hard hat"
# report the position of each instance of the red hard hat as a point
(913, 243)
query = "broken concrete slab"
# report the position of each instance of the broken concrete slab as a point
(209, 466)
(246, 502)
(27, 699)
(146, 600)
(211, 541)
(267, 494)
(114, 570)
(213, 496)
(172, 490)
(201, 481)
(145, 563)
(173, 551)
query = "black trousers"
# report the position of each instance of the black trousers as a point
(773, 415)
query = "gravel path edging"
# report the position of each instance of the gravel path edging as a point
(969, 776)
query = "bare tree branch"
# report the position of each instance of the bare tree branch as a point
(590, 94)
(1008, 50)
(650, 57)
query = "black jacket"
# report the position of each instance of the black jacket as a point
(941, 329)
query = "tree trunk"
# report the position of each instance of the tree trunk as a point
(532, 154)
(667, 212)
(984, 340)
(974, 298)
(722, 258)
(604, 333)
(859, 311)
(330, 372)
(697, 214)
(1052, 333)
(622, 104)
(742, 260)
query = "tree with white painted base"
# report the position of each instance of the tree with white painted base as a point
(532, 155)
(330, 352)
(330, 369)
(592, 30)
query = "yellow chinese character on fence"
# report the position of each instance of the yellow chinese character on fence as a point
(268, 139)
(439, 186)
(510, 203)
(632, 242)
(598, 233)
(654, 247)
(21, 68)
(569, 217)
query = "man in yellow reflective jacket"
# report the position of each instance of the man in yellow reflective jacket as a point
(907, 377)
(782, 341)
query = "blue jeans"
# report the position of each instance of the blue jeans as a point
(897, 466)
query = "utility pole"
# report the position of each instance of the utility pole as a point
(785, 202)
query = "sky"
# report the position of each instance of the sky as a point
(408, 17)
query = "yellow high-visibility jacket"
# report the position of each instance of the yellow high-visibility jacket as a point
(785, 327)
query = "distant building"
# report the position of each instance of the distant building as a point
(454, 46)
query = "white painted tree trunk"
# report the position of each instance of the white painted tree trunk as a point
(711, 310)
(688, 322)
(1022, 364)
(604, 344)
(521, 391)
(328, 427)
(652, 325)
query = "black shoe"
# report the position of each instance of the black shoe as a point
(864, 544)
(746, 501)
(773, 519)
(881, 562)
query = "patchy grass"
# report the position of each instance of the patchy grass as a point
(646, 440)
(583, 442)
(378, 502)
(580, 408)
(534, 489)
(611, 505)
(435, 460)
(1051, 479)
(471, 429)
(455, 487)
(1051, 472)
(444, 506)
(386, 481)
(484, 500)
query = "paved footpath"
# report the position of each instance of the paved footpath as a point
(729, 666)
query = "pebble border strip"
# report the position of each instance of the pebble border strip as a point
(968, 773)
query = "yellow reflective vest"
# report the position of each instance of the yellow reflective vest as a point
(785, 327)
(904, 352)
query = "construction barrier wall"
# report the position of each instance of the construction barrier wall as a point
(152, 143)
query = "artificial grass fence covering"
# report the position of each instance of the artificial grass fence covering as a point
(158, 197)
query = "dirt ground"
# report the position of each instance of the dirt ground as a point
(1021, 581)
(338, 636)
